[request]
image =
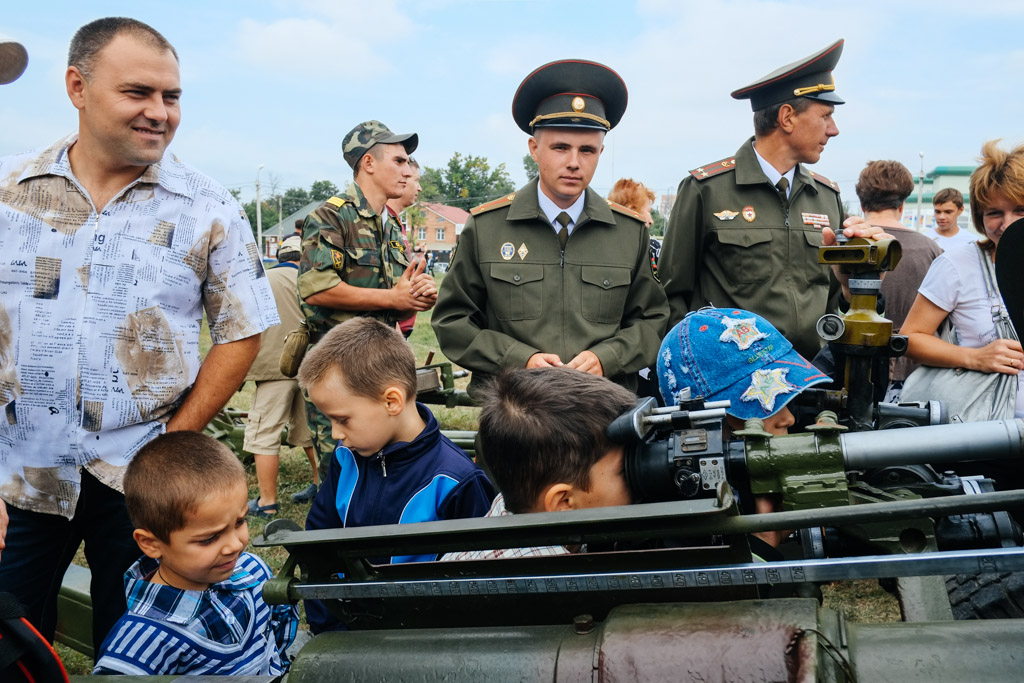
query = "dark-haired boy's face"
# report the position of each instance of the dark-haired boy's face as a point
(205, 550)
(946, 215)
(363, 425)
(607, 483)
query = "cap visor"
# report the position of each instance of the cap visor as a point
(408, 140)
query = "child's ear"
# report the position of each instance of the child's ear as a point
(394, 400)
(556, 498)
(149, 544)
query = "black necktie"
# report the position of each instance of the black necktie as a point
(563, 219)
(783, 187)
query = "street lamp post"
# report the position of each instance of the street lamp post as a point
(920, 195)
(259, 215)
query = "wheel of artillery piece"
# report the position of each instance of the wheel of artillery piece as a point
(986, 596)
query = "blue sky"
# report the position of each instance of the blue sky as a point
(280, 83)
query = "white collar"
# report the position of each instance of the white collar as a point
(551, 210)
(772, 174)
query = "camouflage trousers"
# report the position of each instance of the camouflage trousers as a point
(320, 433)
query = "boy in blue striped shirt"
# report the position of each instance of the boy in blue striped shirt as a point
(195, 602)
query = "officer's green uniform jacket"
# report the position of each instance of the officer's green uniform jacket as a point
(344, 241)
(510, 293)
(731, 243)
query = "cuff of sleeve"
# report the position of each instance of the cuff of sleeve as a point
(517, 355)
(314, 281)
(610, 363)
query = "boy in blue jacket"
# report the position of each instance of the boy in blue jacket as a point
(392, 465)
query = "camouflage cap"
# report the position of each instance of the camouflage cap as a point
(13, 59)
(290, 244)
(369, 133)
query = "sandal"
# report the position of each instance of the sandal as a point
(264, 511)
(305, 495)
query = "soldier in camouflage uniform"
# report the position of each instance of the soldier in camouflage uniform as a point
(555, 275)
(745, 231)
(353, 257)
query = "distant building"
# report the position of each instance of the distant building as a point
(958, 177)
(442, 226)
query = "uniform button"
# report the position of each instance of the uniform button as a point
(606, 283)
(516, 278)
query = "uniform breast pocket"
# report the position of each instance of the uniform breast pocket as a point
(517, 290)
(368, 259)
(817, 276)
(745, 255)
(604, 292)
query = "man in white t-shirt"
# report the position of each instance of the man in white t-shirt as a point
(948, 204)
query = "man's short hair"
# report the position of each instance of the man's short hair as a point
(172, 475)
(298, 226)
(999, 172)
(766, 120)
(369, 355)
(631, 194)
(949, 194)
(94, 36)
(546, 426)
(884, 185)
(415, 164)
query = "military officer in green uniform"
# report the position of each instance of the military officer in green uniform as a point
(353, 256)
(745, 230)
(553, 274)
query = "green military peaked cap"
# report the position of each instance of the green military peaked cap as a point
(360, 139)
(810, 77)
(570, 93)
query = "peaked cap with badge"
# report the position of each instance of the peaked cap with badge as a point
(810, 77)
(515, 289)
(570, 93)
(739, 240)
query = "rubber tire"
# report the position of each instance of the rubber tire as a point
(986, 596)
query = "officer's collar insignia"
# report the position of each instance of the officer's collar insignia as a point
(743, 331)
(523, 251)
(507, 251)
(748, 214)
(819, 219)
(726, 215)
(766, 385)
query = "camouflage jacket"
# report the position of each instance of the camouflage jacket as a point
(344, 241)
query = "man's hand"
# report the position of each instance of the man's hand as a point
(403, 299)
(855, 226)
(544, 360)
(588, 362)
(3, 524)
(424, 287)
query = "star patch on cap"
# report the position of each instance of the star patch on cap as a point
(743, 331)
(766, 385)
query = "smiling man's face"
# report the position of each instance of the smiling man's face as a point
(567, 160)
(129, 103)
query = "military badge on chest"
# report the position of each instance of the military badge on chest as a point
(818, 220)
(508, 251)
(749, 214)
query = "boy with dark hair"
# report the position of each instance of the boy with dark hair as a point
(947, 205)
(542, 432)
(195, 603)
(392, 465)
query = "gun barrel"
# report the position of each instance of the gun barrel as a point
(994, 440)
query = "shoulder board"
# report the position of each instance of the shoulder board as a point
(496, 204)
(825, 181)
(336, 202)
(708, 170)
(623, 209)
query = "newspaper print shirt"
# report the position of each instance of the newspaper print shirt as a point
(100, 312)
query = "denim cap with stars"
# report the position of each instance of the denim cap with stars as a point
(735, 355)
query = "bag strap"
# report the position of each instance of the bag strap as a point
(1000, 318)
